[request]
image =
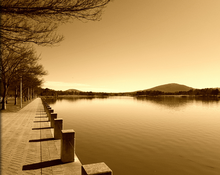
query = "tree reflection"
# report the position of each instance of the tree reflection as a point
(73, 99)
(177, 101)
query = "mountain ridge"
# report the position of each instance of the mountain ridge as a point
(170, 87)
(72, 90)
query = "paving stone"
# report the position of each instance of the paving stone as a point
(22, 148)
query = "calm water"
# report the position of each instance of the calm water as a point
(145, 136)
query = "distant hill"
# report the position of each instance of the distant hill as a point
(172, 87)
(73, 90)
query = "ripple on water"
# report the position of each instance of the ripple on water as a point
(150, 137)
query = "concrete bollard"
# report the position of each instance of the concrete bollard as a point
(47, 110)
(49, 114)
(96, 168)
(58, 126)
(53, 116)
(46, 106)
(67, 145)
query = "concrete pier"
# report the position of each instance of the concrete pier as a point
(28, 145)
(53, 117)
(49, 114)
(67, 145)
(96, 168)
(58, 126)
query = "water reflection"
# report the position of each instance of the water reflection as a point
(208, 100)
(167, 101)
(133, 136)
(177, 101)
(73, 99)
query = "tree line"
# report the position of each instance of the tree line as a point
(19, 68)
(34, 22)
(198, 92)
(54, 93)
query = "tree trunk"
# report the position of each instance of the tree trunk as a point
(33, 93)
(28, 94)
(3, 103)
(20, 91)
(4, 98)
(16, 95)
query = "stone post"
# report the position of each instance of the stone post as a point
(53, 116)
(58, 126)
(47, 111)
(45, 104)
(96, 168)
(49, 114)
(67, 145)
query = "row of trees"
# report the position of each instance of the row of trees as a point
(200, 92)
(20, 65)
(204, 92)
(51, 92)
(24, 23)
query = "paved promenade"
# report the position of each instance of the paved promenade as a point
(27, 144)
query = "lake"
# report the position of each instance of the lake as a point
(145, 135)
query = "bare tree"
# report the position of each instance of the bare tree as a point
(30, 82)
(31, 79)
(35, 21)
(23, 62)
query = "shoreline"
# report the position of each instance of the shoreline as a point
(75, 95)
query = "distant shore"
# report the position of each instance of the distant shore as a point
(103, 96)
(75, 95)
(181, 96)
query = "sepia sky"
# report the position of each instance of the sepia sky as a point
(138, 45)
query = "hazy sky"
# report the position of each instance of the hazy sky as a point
(138, 45)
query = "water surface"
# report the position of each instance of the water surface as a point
(138, 136)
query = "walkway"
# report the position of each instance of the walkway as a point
(27, 144)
